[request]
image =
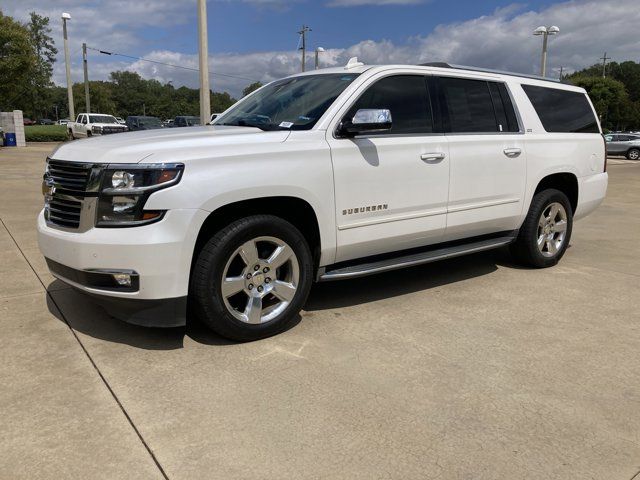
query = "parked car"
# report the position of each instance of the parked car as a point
(90, 124)
(63, 121)
(120, 120)
(46, 121)
(321, 176)
(28, 121)
(143, 123)
(186, 121)
(1, 137)
(213, 117)
(623, 144)
(168, 122)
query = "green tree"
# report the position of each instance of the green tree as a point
(609, 98)
(45, 51)
(17, 63)
(251, 88)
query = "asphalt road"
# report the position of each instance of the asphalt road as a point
(466, 369)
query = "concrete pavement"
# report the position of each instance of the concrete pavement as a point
(470, 368)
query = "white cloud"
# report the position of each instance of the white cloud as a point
(501, 40)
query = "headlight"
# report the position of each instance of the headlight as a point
(125, 190)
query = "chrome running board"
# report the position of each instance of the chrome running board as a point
(379, 266)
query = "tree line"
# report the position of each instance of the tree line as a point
(27, 56)
(615, 97)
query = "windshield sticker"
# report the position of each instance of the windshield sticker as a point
(286, 124)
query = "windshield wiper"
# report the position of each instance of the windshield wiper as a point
(265, 127)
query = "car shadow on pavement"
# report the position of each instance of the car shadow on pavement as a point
(348, 293)
(89, 319)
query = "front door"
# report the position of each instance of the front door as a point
(487, 157)
(391, 188)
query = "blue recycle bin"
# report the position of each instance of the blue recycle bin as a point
(10, 139)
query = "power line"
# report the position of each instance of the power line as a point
(105, 52)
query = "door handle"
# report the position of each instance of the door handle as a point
(432, 157)
(512, 152)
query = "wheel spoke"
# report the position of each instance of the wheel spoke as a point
(280, 256)
(283, 290)
(541, 241)
(553, 211)
(561, 226)
(249, 253)
(551, 246)
(231, 286)
(253, 310)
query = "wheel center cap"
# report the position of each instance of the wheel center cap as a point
(257, 278)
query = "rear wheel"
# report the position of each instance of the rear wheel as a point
(633, 154)
(546, 231)
(251, 279)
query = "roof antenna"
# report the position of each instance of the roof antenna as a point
(353, 63)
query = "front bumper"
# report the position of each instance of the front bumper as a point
(159, 254)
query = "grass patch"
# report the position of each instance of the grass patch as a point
(45, 133)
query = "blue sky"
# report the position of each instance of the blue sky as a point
(256, 39)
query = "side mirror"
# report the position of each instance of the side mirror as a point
(366, 120)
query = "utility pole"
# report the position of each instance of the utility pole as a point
(604, 64)
(86, 78)
(205, 97)
(72, 113)
(561, 70)
(303, 33)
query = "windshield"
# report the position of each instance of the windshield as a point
(292, 103)
(102, 119)
(149, 122)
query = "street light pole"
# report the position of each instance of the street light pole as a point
(72, 113)
(545, 32)
(86, 78)
(205, 97)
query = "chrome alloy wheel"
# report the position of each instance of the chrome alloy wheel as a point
(552, 229)
(260, 280)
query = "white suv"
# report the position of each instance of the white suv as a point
(325, 175)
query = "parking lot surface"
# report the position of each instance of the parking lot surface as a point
(472, 368)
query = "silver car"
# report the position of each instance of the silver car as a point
(623, 144)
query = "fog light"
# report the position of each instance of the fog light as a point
(122, 279)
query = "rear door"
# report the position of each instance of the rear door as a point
(487, 157)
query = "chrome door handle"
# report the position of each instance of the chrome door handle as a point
(512, 152)
(432, 157)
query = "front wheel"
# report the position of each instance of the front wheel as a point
(252, 278)
(70, 135)
(546, 231)
(633, 154)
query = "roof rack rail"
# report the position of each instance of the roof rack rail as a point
(487, 70)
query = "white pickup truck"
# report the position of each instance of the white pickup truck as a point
(326, 175)
(92, 124)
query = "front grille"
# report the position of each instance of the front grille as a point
(71, 190)
(108, 130)
(69, 176)
(63, 212)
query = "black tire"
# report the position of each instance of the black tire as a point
(633, 154)
(525, 248)
(206, 279)
(70, 134)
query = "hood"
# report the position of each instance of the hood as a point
(133, 147)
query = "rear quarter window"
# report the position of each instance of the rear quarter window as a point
(562, 111)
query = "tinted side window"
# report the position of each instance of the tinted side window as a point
(407, 98)
(469, 105)
(562, 110)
